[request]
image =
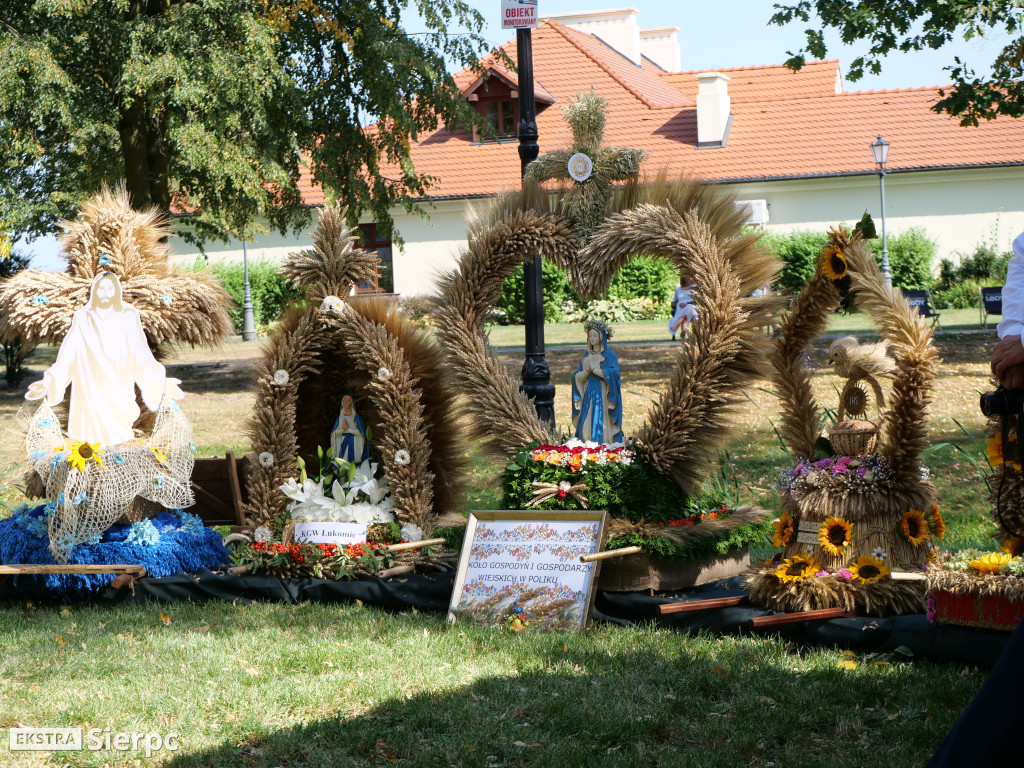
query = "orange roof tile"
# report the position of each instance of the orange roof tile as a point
(785, 125)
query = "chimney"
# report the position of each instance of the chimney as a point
(713, 109)
(616, 27)
(661, 45)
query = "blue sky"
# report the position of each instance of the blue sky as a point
(726, 33)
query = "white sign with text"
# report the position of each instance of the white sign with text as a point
(519, 14)
(330, 533)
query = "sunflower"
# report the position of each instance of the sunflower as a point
(834, 535)
(783, 530)
(914, 527)
(1013, 545)
(994, 450)
(936, 524)
(867, 569)
(82, 453)
(991, 563)
(797, 567)
(833, 263)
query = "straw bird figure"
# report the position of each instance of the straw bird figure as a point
(110, 236)
(584, 202)
(862, 362)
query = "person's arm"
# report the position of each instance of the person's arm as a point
(1009, 352)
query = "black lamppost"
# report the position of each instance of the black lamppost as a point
(536, 375)
(880, 150)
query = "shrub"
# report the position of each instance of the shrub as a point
(646, 277)
(557, 290)
(962, 295)
(271, 294)
(615, 310)
(799, 252)
(910, 257)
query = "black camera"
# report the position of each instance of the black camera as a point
(1002, 402)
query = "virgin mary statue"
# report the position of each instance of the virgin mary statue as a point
(596, 390)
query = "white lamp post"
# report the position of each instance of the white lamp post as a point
(880, 151)
(248, 326)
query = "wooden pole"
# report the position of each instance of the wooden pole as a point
(15, 569)
(608, 554)
(760, 622)
(687, 606)
(413, 545)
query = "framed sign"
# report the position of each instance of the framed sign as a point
(522, 567)
(519, 14)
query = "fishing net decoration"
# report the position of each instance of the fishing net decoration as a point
(90, 489)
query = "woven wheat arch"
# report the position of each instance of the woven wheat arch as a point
(902, 437)
(335, 346)
(698, 229)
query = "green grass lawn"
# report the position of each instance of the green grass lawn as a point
(555, 334)
(266, 685)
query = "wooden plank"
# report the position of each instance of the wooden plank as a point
(610, 553)
(217, 505)
(686, 606)
(14, 569)
(760, 622)
(236, 488)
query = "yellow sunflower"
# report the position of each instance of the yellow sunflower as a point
(914, 527)
(936, 523)
(833, 263)
(1013, 545)
(994, 450)
(797, 567)
(991, 563)
(783, 530)
(867, 569)
(82, 453)
(834, 535)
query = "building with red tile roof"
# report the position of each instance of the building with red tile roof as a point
(795, 143)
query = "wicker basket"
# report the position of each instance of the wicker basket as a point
(638, 573)
(855, 437)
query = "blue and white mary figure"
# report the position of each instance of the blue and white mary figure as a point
(348, 438)
(596, 390)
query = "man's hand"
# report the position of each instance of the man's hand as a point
(1008, 354)
(1013, 377)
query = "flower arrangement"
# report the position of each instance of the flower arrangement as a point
(914, 527)
(836, 474)
(342, 492)
(575, 454)
(784, 529)
(864, 570)
(320, 560)
(835, 535)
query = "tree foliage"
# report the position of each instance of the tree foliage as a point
(216, 105)
(913, 26)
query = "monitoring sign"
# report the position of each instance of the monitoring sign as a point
(519, 14)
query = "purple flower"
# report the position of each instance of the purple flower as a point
(861, 471)
(821, 573)
(844, 573)
(839, 469)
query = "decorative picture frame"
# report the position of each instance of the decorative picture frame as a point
(520, 568)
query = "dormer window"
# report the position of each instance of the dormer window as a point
(497, 101)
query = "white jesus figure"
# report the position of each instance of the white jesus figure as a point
(103, 357)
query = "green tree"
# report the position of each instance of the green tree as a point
(900, 27)
(216, 106)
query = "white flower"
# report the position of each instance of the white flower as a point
(879, 553)
(402, 457)
(301, 492)
(383, 374)
(280, 377)
(332, 304)
(565, 485)
(262, 534)
(266, 459)
(365, 481)
(412, 532)
(573, 442)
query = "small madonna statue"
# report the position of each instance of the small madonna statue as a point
(348, 438)
(596, 390)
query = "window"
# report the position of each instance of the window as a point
(501, 116)
(373, 240)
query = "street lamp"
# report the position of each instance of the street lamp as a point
(880, 151)
(248, 326)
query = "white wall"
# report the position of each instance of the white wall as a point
(957, 209)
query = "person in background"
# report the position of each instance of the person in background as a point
(1008, 356)
(684, 311)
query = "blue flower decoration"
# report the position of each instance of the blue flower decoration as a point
(143, 532)
(45, 423)
(50, 508)
(94, 540)
(60, 500)
(192, 446)
(36, 455)
(117, 458)
(66, 542)
(40, 300)
(56, 460)
(158, 482)
(174, 406)
(81, 498)
(191, 523)
(104, 259)
(166, 298)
